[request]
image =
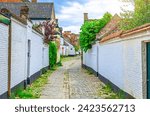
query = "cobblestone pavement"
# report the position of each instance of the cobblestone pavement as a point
(72, 82)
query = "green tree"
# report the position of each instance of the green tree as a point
(89, 30)
(138, 17)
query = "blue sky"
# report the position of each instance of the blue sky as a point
(70, 12)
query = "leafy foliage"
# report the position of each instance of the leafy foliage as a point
(49, 27)
(89, 30)
(52, 54)
(138, 17)
(77, 47)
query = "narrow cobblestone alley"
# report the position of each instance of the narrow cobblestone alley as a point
(71, 82)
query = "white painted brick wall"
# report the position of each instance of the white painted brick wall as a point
(120, 61)
(111, 63)
(71, 50)
(36, 62)
(3, 58)
(90, 58)
(46, 56)
(18, 66)
(20, 35)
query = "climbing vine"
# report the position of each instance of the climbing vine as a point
(89, 30)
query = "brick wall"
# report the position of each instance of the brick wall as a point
(120, 61)
(19, 53)
(3, 58)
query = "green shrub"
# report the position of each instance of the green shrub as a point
(52, 54)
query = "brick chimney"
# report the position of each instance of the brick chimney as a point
(85, 17)
(24, 12)
(56, 20)
(34, 1)
(5, 11)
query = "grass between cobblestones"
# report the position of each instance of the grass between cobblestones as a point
(33, 91)
(106, 91)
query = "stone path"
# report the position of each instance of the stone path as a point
(71, 82)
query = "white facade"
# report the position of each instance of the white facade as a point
(21, 67)
(71, 50)
(36, 61)
(3, 58)
(45, 56)
(90, 58)
(19, 53)
(64, 49)
(120, 61)
(39, 51)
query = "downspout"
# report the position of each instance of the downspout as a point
(9, 61)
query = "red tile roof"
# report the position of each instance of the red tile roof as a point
(111, 27)
(111, 36)
(122, 34)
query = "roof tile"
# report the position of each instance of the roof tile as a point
(36, 10)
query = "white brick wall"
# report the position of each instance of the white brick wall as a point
(111, 63)
(45, 55)
(71, 50)
(21, 33)
(90, 58)
(120, 61)
(18, 66)
(36, 61)
(3, 58)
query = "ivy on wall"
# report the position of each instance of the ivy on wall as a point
(89, 30)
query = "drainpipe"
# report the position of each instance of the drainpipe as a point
(9, 61)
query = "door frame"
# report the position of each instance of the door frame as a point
(28, 60)
(97, 60)
(144, 69)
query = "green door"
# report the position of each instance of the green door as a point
(148, 70)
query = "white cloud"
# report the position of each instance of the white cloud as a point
(72, 13)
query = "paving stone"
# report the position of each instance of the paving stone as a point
(71, 82)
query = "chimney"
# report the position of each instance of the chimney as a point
(5, 11)
(56, 20)
(34, 1)
(24, 12)
(85, 17)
